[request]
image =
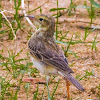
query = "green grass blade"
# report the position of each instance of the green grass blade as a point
(85, 7)
(68, 46)
(60, 42)
(55, 90)
(0, 20)
(95, 4)
(36, 93)
(71, 52)
(55, 9)
(94, 43)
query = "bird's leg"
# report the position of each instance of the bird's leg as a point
(34, 81)
(67, 85)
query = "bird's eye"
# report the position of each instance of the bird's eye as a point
(41, 19)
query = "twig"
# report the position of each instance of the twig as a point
(39, 6)
(75, 21)
(91, 27)
(24, 12)
(10, 18)
(8, 22)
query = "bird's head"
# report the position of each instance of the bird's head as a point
(43, 22)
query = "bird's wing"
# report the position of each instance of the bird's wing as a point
(50, 57)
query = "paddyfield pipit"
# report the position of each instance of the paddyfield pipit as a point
(47, 56)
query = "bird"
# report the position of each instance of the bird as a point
(47, 56)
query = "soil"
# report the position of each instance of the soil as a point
(87, 60)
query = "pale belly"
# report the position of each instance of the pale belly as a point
(44, 69)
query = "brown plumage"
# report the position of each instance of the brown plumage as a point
(44, 50)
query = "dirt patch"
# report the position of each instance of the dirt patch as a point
(87, 60)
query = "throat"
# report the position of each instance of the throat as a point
(44, 33)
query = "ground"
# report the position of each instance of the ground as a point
(87, 60)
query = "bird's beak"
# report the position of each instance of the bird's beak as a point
(30, 17)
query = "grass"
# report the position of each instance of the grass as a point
(87, 74)
(16, 68)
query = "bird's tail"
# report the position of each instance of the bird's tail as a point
(74, 81)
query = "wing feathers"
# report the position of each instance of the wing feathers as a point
(47, 53)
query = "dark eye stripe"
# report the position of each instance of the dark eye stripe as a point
(41, 19)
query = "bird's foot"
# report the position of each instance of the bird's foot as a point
(34, 81)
